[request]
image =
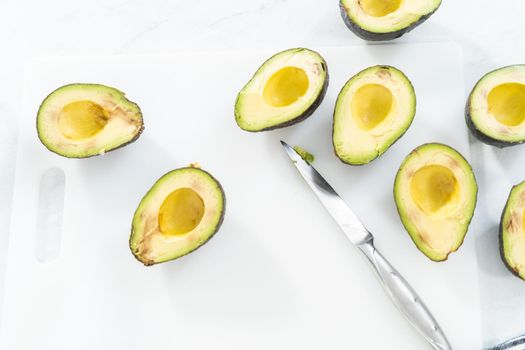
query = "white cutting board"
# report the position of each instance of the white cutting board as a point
(279, 274)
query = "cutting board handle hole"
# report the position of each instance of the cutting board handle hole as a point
(49, 215)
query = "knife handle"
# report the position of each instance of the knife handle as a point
(405, 298)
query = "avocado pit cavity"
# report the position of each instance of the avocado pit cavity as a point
(81, 120)
(181, 212)
(285, 87)
(433, 187)
(506, 103)
(370, 105)
(380, 8)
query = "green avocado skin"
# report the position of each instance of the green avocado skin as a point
(480, 135)
(372, 36)
(217, 227)
(501, 249)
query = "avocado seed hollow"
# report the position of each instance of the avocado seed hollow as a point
(433, 187)
(181, 212)
(506, 102)
(81, 120)
(370, 105)
(286, 86)
(380, 8)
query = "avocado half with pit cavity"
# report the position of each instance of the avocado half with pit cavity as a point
(495, 111)
(377, 20)
(85, 120)
(435, 193)
(373, 110)
(180, 213)
(285, 90)
(512, 231)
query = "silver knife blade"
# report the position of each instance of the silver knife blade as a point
(398, 289)
(340, 211)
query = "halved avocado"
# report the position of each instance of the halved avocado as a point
(85, 120)
(373, 110)
(435, 193)
(180, 213)
(377, 20)
(495, 111)
(285, 90)
(512, 231)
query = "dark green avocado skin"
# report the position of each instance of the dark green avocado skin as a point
(480, 135)
(372, 36)
(501, 249)
(306, 113)
(219, 224)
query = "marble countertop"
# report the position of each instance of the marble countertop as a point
(490, 34)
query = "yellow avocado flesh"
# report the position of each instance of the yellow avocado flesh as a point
(181, 212)
(506, 103)
(285, 87)
(370, 105)
(81, 119)
(379, 8)
(432, 187)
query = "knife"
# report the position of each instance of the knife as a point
(400, 292)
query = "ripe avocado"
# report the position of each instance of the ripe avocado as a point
(435, 193)
(85, 120)
(285, 90)
(180, 213)
(377, 20)
(512, 231)
(373, 110)
(495, 110)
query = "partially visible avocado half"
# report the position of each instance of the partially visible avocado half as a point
(373, 110)
(377, 20)
(435, 193)
(180, 213)
(285, 90)
(512, 231)
(495, 110)
(85, 120)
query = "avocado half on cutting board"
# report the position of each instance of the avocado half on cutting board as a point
(373, 110)
(285, 90)
(377, 20)
(180, 213)
(85, 120)
(435, 193)
(512, 231)
(495, 110)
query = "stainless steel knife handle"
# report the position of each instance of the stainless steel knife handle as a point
(405, 298)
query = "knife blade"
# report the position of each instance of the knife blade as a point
(400, 292)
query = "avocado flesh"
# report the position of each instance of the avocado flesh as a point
(373, 110)
(512, 231)
(495, 111)
(84, 120)
(307, 156)
(435, 193)
(377, 20)
(285, 90)
(180, 213)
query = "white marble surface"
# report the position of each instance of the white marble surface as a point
(489, 32)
